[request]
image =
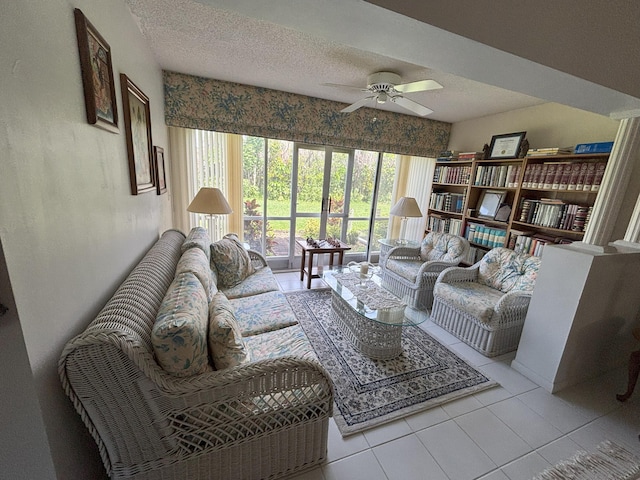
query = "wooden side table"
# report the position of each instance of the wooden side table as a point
(310, 251)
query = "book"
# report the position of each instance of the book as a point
(541, 152)
(581, 176)
(589, 177)
(555, 184)
(573, 177)
(599, 175)
(550, 175)
(566, 176)
(598, 147)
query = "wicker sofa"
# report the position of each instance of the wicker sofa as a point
(485, 305)
(264, 415)
(411, 273)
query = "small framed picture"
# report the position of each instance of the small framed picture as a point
(161, 176)
(97, 75)
(137, 123)
(489, 203)
(506, 145)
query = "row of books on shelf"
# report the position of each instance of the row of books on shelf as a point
(447, 201)
(436, 223)
(449, 155)
(527, 242)
(577, 176)
(450, 174)
(594, 147)
(486, 236)
(554, 213)
(497, 176)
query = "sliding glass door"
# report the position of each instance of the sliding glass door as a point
(294, 191)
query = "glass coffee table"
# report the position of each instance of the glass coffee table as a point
(370, 316)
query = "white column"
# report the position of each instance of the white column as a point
(614, 185)
(632, 234)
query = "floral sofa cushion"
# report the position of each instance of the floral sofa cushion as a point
(290, 341)
(263, 313)
(405, 268)
(198, 238)
(194, 260)
(231, 261)
(476, 299)
(261, 281)
(179, 334)
(506, 270)
(226, 346)
(442, 247)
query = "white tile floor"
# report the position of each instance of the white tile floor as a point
(510, 432)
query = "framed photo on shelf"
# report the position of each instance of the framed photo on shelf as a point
(506, 145)
(137, 122)
(489, 203)
(97, 75)
(161, 176)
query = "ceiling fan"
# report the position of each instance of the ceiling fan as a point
(386, 86)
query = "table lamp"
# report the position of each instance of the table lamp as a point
(210, 201)
(406, 207)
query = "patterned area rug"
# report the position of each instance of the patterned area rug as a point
(608, 462)
(372, 392)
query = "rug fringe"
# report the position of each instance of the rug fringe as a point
(611, 462)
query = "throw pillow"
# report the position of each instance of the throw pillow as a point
(179, 334)
(231, 261)
(195, 261)
(225, 339)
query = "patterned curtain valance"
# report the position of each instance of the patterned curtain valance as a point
(208, 104)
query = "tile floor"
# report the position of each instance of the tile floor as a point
(510, 432)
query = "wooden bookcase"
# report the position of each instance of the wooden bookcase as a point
(546, 195)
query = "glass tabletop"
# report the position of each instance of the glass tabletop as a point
(366, 296)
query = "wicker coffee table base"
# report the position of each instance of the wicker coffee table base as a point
(371, 338)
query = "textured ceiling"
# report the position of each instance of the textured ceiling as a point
(191, 37)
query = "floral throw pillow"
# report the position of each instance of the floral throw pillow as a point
(225, 339)
(231, 261)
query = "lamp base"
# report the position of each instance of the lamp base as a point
(403, 229)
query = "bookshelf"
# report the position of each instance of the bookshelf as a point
(448, 199)
(548, 198)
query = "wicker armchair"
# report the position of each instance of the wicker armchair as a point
(411, 273)
(264, 419)
(485, 305)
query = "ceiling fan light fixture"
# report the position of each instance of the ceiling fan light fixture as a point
(382, 97)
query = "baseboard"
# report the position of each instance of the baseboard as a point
(534, 377)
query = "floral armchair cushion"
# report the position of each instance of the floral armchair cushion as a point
(226, 345)
(231, 261)
(443, 247)
(179, 334)
(505, 270)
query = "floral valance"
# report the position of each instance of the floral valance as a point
(208, 104)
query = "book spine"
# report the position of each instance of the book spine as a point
(555, 185)
(599, 175)
(548, 179)
(581, 177)
(566, 175)
(573, 178)
(589, 177)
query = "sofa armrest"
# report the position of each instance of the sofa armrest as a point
(257, 260)
(513, 306)
(243, 402)
(459, 274)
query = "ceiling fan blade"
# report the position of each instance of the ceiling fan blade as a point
(415, 107)
(418, 86)
(346, 87)
(357, 105)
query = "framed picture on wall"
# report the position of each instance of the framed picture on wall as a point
(161, 180)
(137, 122)
(97, 75)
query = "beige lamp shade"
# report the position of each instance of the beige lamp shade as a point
(406, 207)
(209, 200)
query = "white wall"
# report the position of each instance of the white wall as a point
(69, 226)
